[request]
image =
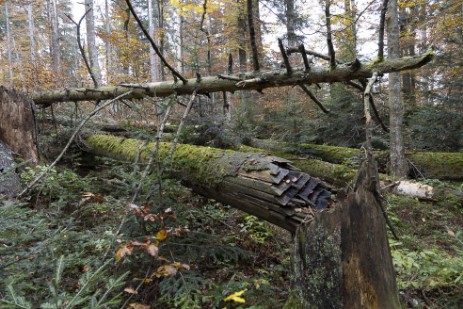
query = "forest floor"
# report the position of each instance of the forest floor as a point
(78, 239)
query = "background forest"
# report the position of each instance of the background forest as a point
(101, 233)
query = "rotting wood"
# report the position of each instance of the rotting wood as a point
(247, 81)
(268, 187)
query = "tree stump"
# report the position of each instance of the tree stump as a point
(17, 124)
(342, 259)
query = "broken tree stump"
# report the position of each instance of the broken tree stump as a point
(17, 124)
(342, 259)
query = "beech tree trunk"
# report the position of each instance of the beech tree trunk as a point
(91, 40)
(398, 166)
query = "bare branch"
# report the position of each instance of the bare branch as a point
(314, 98)
(304, 57)
(81, 48)
(289, 70)
(153, 44)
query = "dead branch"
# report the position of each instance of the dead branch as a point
(314, 98)
(153, 44)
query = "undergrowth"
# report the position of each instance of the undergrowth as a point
(79, 242)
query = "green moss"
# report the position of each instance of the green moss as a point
(203, 165)
(444, 165)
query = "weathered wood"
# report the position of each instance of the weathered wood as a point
(247, 81)
(17, 124)
(341, 259)
(9, 180)
(243, 180)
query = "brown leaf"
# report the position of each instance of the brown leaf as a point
(451, 233)
(123, 251)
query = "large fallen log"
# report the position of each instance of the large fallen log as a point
(246, 81)
(440, 165)
(341, 257)
(268, 187)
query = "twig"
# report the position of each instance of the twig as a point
(71, 139)
(289, 70)
(252, 36)
(153, 44)
(381, 31)
(182, 123)
(314, 98)
(81, 48)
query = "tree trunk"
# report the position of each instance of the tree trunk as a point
(91, 40)
(17, 124)
(341, 259)
(246, 81)
(440, 165)
(268, 187)
(55, 45)
(398, 167)
(152, 22)
(9, 46)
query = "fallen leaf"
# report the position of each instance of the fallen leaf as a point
(123, 251)
(236, 297)
(451, 233)
(138, 306)
(152, 250)
(130, 290)
(161, 235)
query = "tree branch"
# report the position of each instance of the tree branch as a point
(81, 48)
(314, 98)
(269, 79)
(153, 44)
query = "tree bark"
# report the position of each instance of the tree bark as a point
(91, 40)
(398, 167)
(9, 180)
(245, 81)
(55, 44)
(17, 124)
(268, 187)
(152, 22)
(9, 46)
(341, 259)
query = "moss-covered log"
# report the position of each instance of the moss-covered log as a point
(247, 81)
(440, 165)
(268, 187)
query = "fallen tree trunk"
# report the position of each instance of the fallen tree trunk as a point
(268, 187)
(247, 81)
(341, 257)
(440, 165)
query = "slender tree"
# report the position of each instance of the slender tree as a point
(398, 165)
